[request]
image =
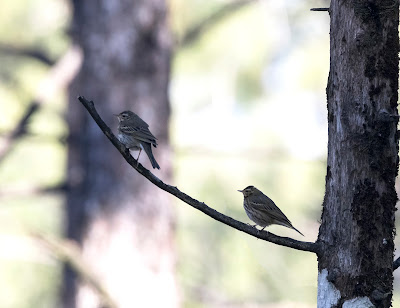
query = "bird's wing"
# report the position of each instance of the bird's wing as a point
(271, 209)
(141, 133)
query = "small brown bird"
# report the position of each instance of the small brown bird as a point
(134, 133)
(262, 210)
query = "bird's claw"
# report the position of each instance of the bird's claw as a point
(254, 226)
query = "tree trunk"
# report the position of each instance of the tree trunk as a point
(357, 230)
(123, 223)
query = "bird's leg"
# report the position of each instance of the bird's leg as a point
(255, 226)
(263, 230)
(137, 159)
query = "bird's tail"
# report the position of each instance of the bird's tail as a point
(297, 230)
(147, 149)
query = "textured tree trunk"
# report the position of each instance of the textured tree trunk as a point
(123, 223)
(355, 265)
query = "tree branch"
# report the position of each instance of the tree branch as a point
(396, 264)
(59, 77)
(201, 206)
(68, 251)
(26, 52)
(32, 190)
(197, 30)
(18, 131)
(320, 9)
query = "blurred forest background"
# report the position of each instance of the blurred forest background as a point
(248, 107)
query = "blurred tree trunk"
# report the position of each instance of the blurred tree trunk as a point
(124, 224)
(357, 230)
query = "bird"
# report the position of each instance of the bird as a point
(134, 133)
(262, 210)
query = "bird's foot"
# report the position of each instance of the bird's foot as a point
(254, 226)
(263, 229)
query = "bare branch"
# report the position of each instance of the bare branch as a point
(26, 52)
(68, 252)
(196, 31)
(201, 206)
(59, 77)
(18, 131)
(396, 264)
(320, 9)
(32, 190)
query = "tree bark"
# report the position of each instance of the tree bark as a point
(357, 230)
(123, 223)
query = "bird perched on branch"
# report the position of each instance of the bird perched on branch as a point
(262, 210)
(134, 133)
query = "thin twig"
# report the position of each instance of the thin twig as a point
(396, 264)
(18, 131)
(197, 30)
(68, 252)
(320, 9)
(31, 190)
(30, 52)
(201, 206)
(58, 78)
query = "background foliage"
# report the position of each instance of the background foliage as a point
(248, 108)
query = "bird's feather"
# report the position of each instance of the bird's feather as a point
(141, 133)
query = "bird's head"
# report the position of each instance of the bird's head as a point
(124, 115)
(248, 191)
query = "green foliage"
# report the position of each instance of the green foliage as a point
(243, 96)
(30, 276)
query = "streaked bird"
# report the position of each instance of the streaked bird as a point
(134, 133)
(262, 210)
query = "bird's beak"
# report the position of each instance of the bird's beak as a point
(240, 190)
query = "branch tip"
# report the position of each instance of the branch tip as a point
(320, 9)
